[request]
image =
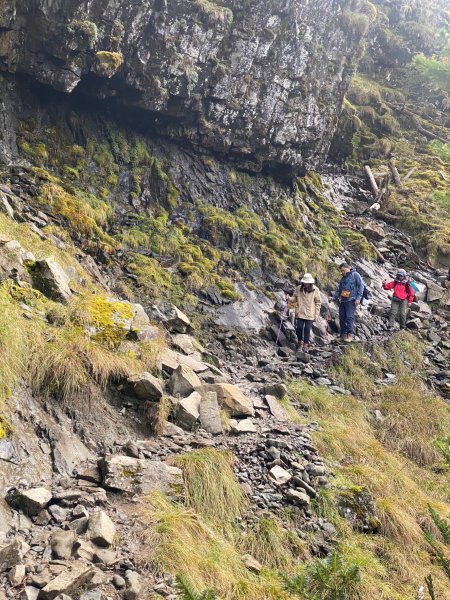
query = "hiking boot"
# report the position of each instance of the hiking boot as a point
(299, 346)
(348, 338)
(305, 347)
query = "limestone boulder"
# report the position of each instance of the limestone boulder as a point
(183, 381)
(51, 279)
(145, 386)
(230, 398)
(30, 501)
(101, 530)
(138, 476)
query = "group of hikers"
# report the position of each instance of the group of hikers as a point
(350, 293)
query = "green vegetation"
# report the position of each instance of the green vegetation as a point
(86, 28)
(188, 593)
(108, 62)
(326, 579)
(210, 485)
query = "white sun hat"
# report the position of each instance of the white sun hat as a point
(307, 278)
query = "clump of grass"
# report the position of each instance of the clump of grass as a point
(413, 419)
(273, 545)
(210, 485)
(14, 333)
(178, 541)
(356, 371)
(70, 365)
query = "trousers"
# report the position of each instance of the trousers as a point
(399, 310)
(347, 317)
(303, 329)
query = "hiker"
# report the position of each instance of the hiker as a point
(349, 295)
(402, 297)
(306, 301)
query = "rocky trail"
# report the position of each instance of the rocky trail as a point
(77, 532)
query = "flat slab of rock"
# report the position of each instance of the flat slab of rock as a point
(183, 381)
(297, 497)
(68, 582)
(275, 408)
(230, 398)
(244, 426)
(31, 501)
(145, 386)
(51, 279)
(172, 317)
(101, 529)
(210, 414)
(279, 475)
(135, 475)
(169, 360)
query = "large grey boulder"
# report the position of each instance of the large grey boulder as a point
(279, 475)
(30, 501)
(51, 279)
(138, 476)
(101, 530)
(230, 398)
(250, 314)
(187, 344)
(145, 386)
(183, 381)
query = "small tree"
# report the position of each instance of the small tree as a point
(326, 579)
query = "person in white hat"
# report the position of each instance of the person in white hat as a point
(306, 301)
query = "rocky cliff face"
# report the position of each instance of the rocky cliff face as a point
(262, 81)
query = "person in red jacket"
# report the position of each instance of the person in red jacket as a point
(402, 297)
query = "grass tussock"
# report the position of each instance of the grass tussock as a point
(178, 541)
(273, 545)
(211, 488)
(413, 420)
(69, 364)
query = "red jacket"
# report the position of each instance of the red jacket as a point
(401, 289)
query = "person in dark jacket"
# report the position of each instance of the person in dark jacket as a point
(349, 295)
(402, 297)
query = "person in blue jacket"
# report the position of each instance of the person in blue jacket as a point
(348, 295)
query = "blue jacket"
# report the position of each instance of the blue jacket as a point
(353, 283)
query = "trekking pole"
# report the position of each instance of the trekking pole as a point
(279, 331)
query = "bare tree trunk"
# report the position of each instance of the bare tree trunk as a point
(409, 173)
(395, 175)
(373, 183)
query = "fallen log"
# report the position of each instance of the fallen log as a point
(395, 174)
(373, 183)
(409, 173)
